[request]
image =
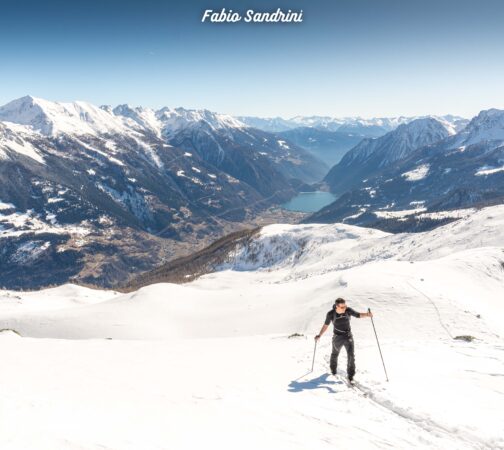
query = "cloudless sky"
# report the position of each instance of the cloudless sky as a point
(348, 57)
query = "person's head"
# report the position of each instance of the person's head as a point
(340, 304)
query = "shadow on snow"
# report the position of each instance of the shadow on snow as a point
(321, 382)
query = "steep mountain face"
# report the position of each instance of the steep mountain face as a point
(245, 153)
(230, 150)
(372, 155)
(327, 146)
(79, 183)
(434, 184)
(488, 125)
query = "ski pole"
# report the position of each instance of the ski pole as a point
(378, 342)
(314, 350)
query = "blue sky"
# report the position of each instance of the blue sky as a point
(348, 57)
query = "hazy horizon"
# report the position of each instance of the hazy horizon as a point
(100, 104)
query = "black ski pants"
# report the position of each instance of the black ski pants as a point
(340, 340)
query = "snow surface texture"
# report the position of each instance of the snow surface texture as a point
(210, 363)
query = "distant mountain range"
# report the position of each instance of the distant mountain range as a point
(329, 138)
(99, 194)
(414, 179)
(373, 127)
(81, 183)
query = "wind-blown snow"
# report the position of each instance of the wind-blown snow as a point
(210, 362)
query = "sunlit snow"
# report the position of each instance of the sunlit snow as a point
(210, 363)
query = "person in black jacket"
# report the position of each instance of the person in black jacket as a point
(340, 317)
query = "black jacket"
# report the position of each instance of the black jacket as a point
(341, 322)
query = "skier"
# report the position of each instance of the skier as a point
(340, 317)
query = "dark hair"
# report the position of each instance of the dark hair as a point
(339, 301)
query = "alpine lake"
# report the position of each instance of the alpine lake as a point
(309, 201)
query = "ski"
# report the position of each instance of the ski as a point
(352, 385)
(363, 390)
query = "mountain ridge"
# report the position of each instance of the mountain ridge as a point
(373, 154)
(372, 127)
(79, 176)
(435, 183)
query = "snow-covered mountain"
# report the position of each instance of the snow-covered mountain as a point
(329, 138)
(373, 127)
(224, 140)
(200, 130)
(177, 119)
(459, 172)
(398, 143)
(272, 125)
(372, 155)
(53, 118)
(74, 175)
(488, 125)
(230, 354)
(248, 153)
(146, 118)
(355, 125)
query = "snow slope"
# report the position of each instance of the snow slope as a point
(211, 362)
(13, 139)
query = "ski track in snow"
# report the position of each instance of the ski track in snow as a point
(425, 423)
(209, 362)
